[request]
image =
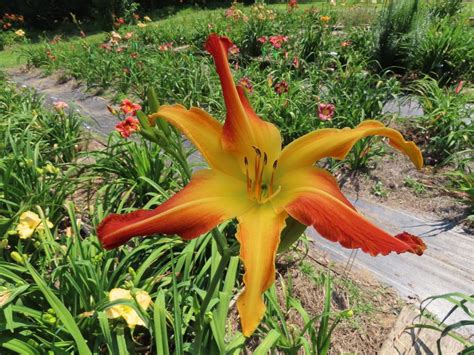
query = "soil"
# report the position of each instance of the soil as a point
(392, 180)
(376, 307)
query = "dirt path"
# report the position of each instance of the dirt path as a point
(447, 265)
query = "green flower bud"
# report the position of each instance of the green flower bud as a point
(17, 257)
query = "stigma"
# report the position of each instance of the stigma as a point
(259, 183)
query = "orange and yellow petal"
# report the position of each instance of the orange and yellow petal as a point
(336, 143)
(337, 221)
(259, 236)
(210, 198)
(242, 128)
(202, 130)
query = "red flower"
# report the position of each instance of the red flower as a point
(459, 87)
(128, 126)
(292, 4)
(165, 47)
(281, 87)
(262, 39)
(134, 55)
(128, 107)
(121, 20)
(326, 112)
(296, 62)
(245, 82)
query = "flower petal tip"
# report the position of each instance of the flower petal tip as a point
(417, 245)
(214, 41)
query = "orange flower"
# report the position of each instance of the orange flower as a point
(324, 18)
(251, 178)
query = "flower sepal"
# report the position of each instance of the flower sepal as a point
(290, 234)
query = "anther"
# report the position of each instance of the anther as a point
(265, 159)
(275, 164)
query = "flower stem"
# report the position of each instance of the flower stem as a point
(225, 257)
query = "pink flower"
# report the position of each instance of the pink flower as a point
(459, 87)
(234, 50)
(128, 107)
(128, 35)
(128, 126)
(262, 39)
(60, 105)
(326, 112)
(277, 41)
(245, 82)
(281, 87)
(106, 46)
(292, 4)
(346, 43)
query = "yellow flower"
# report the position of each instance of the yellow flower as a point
(141, 24)
(29, 223)
(20, 33)
(264, 186)
(147, 19)
(4, 297)
(325, 18)
(126, 312)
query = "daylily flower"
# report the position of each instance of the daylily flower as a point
(324, 18)
(128, 35)
(247, 84)
(346, 43)
(141, 24)
(126, 312)
(277, 41)
(234, 50)
(147, 19)
(251, 178)
(128, 126)
(262, 39)
(326, 112)
(20, 33)
(281, 87)
(60, 105)
(459, 87)
(128, 107)
(292, 4)
(29, 223)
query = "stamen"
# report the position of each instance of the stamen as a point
(249, 182)
(275, 164)
(257, 167)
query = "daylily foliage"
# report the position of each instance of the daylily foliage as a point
(251, 178)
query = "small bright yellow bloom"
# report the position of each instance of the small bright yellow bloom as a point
(141, 24)
(126, 312)
(20, 33)
(325, 18)
(29, 223)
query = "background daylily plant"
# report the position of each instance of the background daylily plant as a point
(264, 186)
